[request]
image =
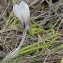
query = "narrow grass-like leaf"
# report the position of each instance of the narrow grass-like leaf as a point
(61, 60)
(57, 48)
(50, 1)
(35, 48)
(41, 41)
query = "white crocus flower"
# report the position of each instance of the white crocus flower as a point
(22, 13)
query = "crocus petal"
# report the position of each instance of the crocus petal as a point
(21, 4)
(25, 10)
(17, 12)
(15, 9)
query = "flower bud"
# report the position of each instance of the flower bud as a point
(22, 12)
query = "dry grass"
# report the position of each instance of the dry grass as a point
(47, 15)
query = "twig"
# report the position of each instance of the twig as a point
(6, 30)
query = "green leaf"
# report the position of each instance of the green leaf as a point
(15, 23)
(41, 41)
(57, 48)
(35, 48)
(61, 60)
(50, 1)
